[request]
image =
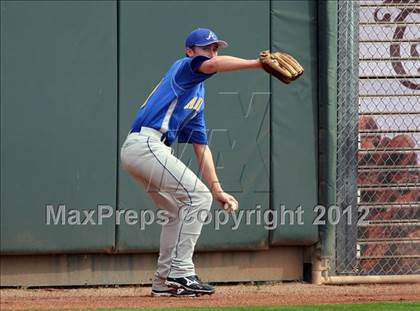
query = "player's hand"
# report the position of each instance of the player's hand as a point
(225, 198)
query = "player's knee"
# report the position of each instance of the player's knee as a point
(202, 198)
(206, 199)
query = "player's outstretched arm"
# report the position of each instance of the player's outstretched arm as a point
(206, 164)
(228, 63)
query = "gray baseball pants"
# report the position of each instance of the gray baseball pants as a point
(174, 188)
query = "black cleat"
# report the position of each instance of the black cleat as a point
(190, 283)
(173, 292)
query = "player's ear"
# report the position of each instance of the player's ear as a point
(189, 52)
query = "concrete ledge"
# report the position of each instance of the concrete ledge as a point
(275, 264)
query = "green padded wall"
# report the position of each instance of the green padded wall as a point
(151, 38)
(60, 118)
(294, 121)
(58, 122)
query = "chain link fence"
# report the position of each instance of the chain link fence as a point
(378, 143)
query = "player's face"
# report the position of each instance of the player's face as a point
(210, 50)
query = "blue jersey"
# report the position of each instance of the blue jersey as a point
(176, 106)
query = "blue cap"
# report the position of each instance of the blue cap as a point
(202, 37)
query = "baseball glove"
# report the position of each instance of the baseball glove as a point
(281, 65)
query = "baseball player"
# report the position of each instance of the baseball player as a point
(174, 110)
